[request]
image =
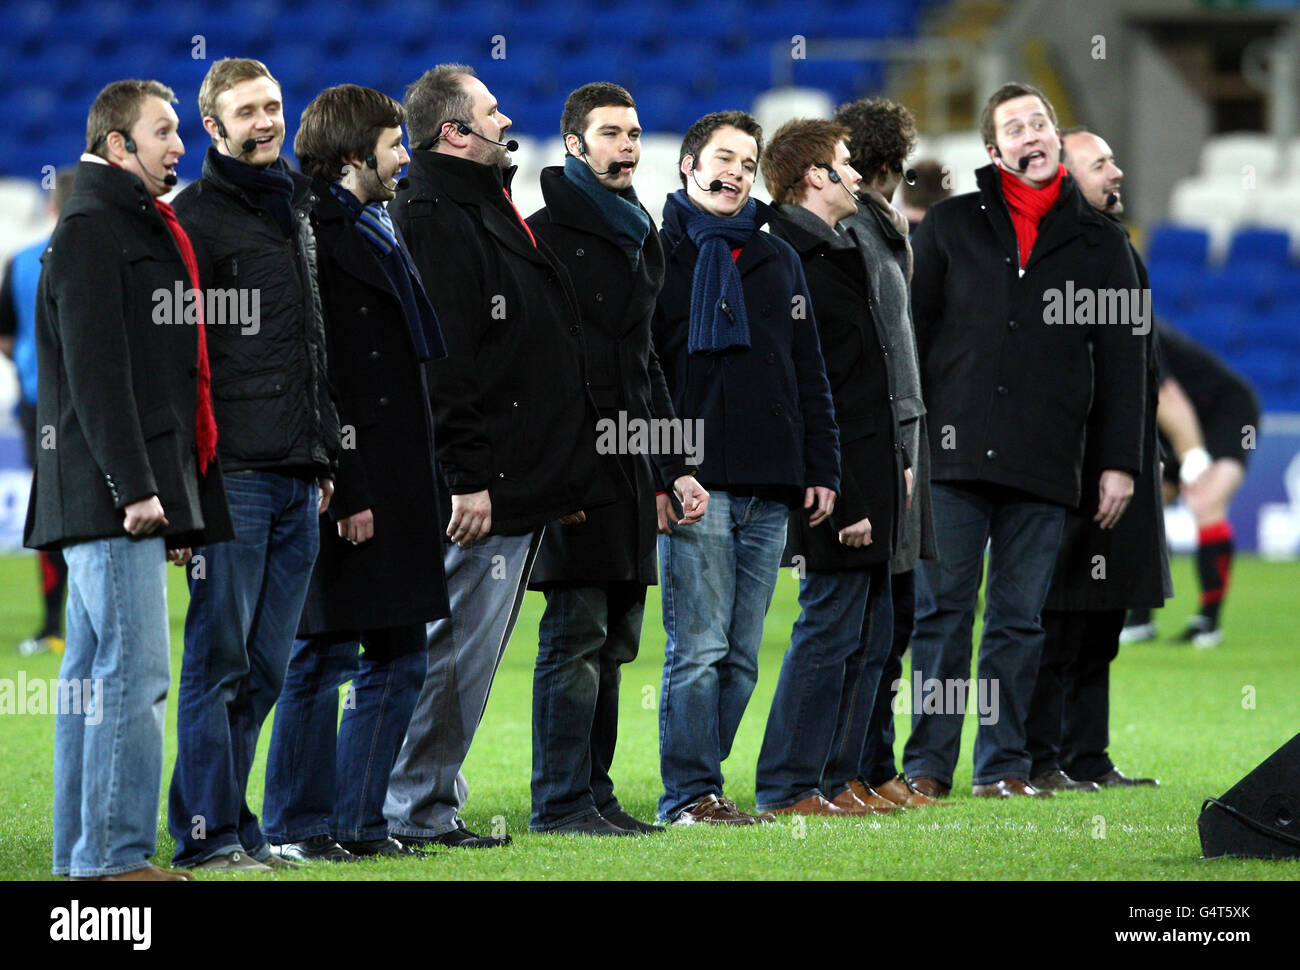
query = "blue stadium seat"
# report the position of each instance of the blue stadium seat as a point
(1175, 286)
(1260, 246)
(1178, 243)
(1219, 324)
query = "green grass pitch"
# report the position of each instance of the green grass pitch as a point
(1197, 719)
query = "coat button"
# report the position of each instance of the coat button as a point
(574, 329)
(600, 297)
(501, 474)
(777, 410)
(383, 402)
(1007, 260)
(364, 310)
(990, 454)
(374, 355)
(1013, 325)
(1002, 390)
(580, 253)
(514, 404)
(771, 358)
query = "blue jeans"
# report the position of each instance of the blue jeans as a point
(878, 755)
(718, 577)
(320, 784)
(1024, 537)
(816, 734)
(245, 602)
(586, 635)
(486, 585)
(108, 739)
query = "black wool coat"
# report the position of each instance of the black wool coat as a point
(269, 390)
(1126, 567)
(871, 457)
(617, 542)
(1007, 392)
(510, 402)
(768, 417)
(119, 385)
(386, 463)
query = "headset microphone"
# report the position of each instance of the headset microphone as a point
(398, 184)
(1023, 163)
(1111, 199)
(615, 168)
(248, 145)
(714, 186)
(169, 179)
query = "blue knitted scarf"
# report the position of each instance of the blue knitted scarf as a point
(718, 318)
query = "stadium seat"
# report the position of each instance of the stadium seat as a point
(1239, 154)
(1269, 246)
(1178, 244)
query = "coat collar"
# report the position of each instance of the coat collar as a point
(108, 185)
(759, 249)
(567, 207)
(303, 195)
(1065, 221)
(345, 246)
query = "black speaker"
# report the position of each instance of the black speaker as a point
(1259, 817)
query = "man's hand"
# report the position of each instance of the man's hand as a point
(326, 493)
(180, 557)
(358, 528)
(471, 518)
(694, 499)
(908, 479)
(857, 535)
(574, 518)
(145, 517)
(1114, 493)
(823, 498)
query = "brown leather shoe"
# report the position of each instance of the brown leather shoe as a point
(1008, 787)
(871, 800)
(812, 805)
(930, 787)
(147, 874)
(710, 809)
(1058, 780)
(760, 818)
(898, 791)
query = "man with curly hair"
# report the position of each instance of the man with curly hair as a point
(881, 136)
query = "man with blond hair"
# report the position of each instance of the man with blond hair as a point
(280, 438)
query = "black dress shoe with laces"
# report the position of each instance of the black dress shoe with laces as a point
(1117, 779)
(319, 848)
(386, 847)
(1058, 780)
(459, 838)
(587, 825)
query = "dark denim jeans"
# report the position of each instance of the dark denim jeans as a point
(816, 733)
(879, 753)
(1024, 537)
(586, 635)
(718, 577)
(245, 602)
(320, 784)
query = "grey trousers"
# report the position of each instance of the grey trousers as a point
(486, 584)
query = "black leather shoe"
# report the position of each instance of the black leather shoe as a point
(588, 825)
(633, 824)
(319, 848)
(459, 838)
(1058, 780)
(386, 847)
(1117, 779)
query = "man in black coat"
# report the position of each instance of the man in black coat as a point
(1015, 296)
(735, 333)
(374, 582)
(1100, 573)
(516, 428)
(595, 575)
(812, 760)
(280, 436)
(126, 473)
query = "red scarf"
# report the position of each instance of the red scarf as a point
(1028, 205)
(205, 424)
(520, 216)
